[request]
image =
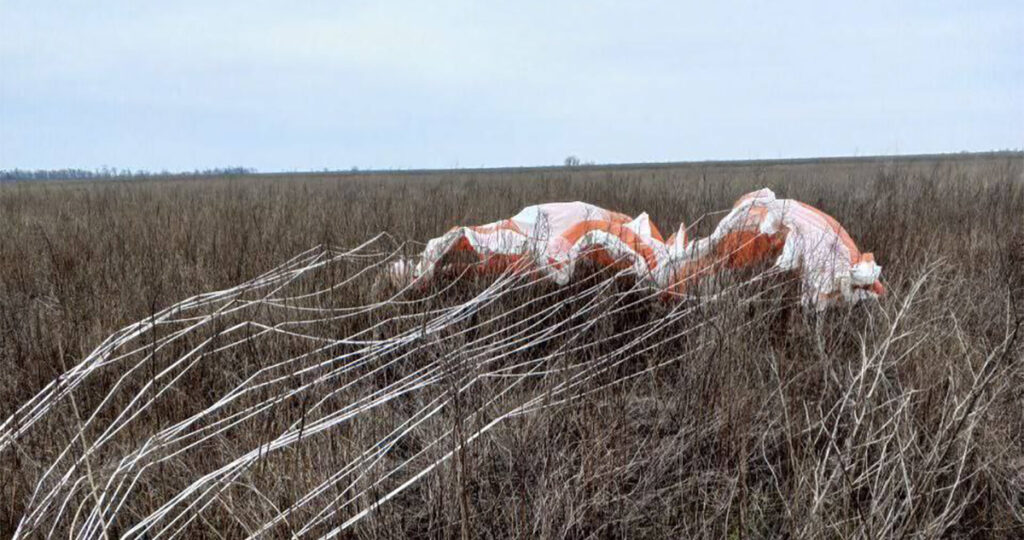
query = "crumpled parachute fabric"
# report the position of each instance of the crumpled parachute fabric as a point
(783, 234)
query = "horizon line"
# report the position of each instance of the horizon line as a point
(240, 170)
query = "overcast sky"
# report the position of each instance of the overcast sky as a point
(307, 85)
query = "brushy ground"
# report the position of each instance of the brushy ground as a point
(902, 418)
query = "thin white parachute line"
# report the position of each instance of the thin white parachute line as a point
(83, 426)
(402, 465)
(278, 443)
(44, 400)
(334, 506)
(392, 343)
(282, 301)
(74, 374)
(227, 473)
(378, 449)
(113, 427)
(482, 343)
(483, 295)
(604, 368)
(525, 408)
(426, 300)
(335, 479)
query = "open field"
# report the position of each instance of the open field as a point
(905, 417)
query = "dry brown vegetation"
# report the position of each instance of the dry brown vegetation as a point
(902, 418)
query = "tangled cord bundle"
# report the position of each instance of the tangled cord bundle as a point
(320, 349)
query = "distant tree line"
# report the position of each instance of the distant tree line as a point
(111, 172)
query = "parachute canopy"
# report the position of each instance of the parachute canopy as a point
(760, 231)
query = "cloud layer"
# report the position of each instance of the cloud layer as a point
(438, 84)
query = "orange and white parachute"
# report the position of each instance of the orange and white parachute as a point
(760, 230)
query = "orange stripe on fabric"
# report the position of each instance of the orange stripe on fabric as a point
(627, 236)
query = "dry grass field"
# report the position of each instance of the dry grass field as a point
(901, 418)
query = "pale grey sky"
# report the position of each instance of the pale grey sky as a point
(307, 85)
